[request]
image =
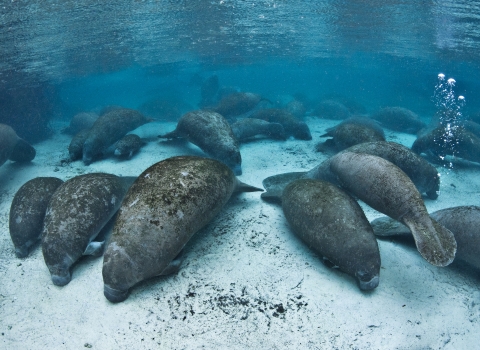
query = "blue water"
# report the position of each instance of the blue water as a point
(58, 58)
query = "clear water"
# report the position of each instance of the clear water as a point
(380, 52)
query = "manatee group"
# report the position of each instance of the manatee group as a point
(334, 225)
(27, 212)
(76, 213)
(386, 188)
(424, 175)
(165, 206)
(211, 132)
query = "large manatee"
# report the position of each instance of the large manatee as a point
(334, 225)
(167, 204)
(386, 188)
(76, 213)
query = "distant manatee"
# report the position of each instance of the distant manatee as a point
(293, 126)
(128, 145)
(348, 134)
(81, 121)
(331, 109)
(456, 141)
(399, 119)
(75, 148)
(237, 103)
(109, 128)
(334, 225)
(28, 211)
(247, 128)
(386, 188)
(76, 213)
(463, 221)
(13, 147)
(167, 204)
(211, 132)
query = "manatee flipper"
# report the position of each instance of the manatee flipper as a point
(243, 187)
(174, 265)
(438, 249)
(385, 226)
(274, 185)
(94, 248)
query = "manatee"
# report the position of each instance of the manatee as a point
(423, 174)
(246, 128)
(386, 188)
(331, 109)
(452, 141)
(346, 135)
(128, 145)
(209, 90)
(334, 225)
(399, 119)
(463, 221)
(211, 132)
(293, 126)
(81, 121)
(13, 147)
(76, 213)
(297, 108)
(167, 204)
(75, 148)
(237, 103)
(109, 128)
(360, 120)
(28, 210)
(23, 152)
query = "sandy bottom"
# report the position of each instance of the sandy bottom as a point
(247, 281)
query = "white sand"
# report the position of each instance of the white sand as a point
(246, 282)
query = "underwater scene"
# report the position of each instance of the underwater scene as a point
(240, 174)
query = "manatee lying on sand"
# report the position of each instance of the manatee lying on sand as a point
(332, 223)
(211, 132)
(386, 188)
(167, 204)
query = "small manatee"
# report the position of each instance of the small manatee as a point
(28, 211)
(211, 132)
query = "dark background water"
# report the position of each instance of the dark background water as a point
(61, 57)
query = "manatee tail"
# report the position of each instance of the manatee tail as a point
(385, 226)
(275, 184)
(434, 242)
(243, 187)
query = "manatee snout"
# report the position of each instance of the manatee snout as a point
(114, 295)
(60, 274)
(21, 252)
(366, 280)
